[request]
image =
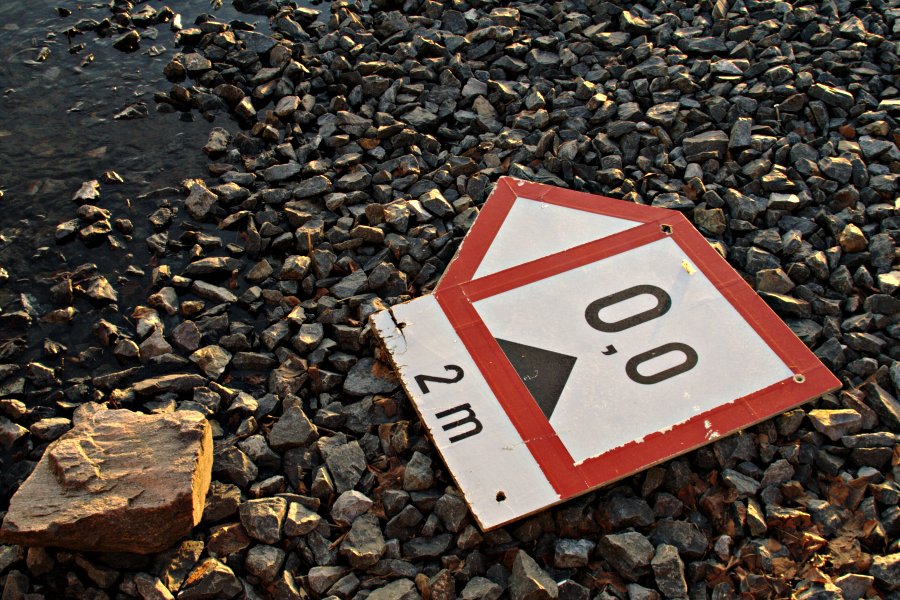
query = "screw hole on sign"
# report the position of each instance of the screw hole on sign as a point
(501, 496)
(799, 378)
(666, 229)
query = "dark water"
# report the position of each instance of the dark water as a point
(57, 131)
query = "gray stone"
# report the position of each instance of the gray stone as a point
(663, 114)
(179, 563)
(364, 543)
(835, 423)
(263, 518)
(349, 506)
(702, 45)
(421, 118)
(175, 383)
(686, 536)
(264, 562)
(278, 173)
(151, 588)
(529, 581)
(570, 553)
(742, 484)
(213, 292)
(222, 502)
(709, 144)
(200, 199)
(300, 520)
(884, 404)
(831, 95)
(629, 553)
(293, 429)
(346, 463)
(427, 547)
(369, 376)
(481, 588)
(452, 510)
(209, 580)
(854, 585)
(401, 589)
(639, 592)
(886, 569)
(88, 193)
(669, 572)
(256, 42)
(212, 360)
(417, 475)
(50, 428)
(314, 186)
(622, 511)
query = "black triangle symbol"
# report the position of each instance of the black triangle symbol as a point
(544, 372)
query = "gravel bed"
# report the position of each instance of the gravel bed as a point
(359, 149)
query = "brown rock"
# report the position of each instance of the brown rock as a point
(119, 481)
(176, 382)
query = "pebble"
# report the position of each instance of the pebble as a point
(364, 543)
(263, 518)
(629, 553)
(668, 571)
(529, 582)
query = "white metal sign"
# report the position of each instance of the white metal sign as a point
(547, 364)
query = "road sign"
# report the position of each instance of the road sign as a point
(543, 370)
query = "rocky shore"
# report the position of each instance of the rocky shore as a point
(350, 157)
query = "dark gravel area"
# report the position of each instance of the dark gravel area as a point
(350, 157)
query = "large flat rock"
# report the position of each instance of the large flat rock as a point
(119, 481)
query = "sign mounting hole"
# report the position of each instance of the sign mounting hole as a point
(501, 496)
(799, 378)
(666, 229)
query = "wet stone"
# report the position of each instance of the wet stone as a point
(200, 199)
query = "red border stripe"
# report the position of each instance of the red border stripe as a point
(555, 461)
(495, 210)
